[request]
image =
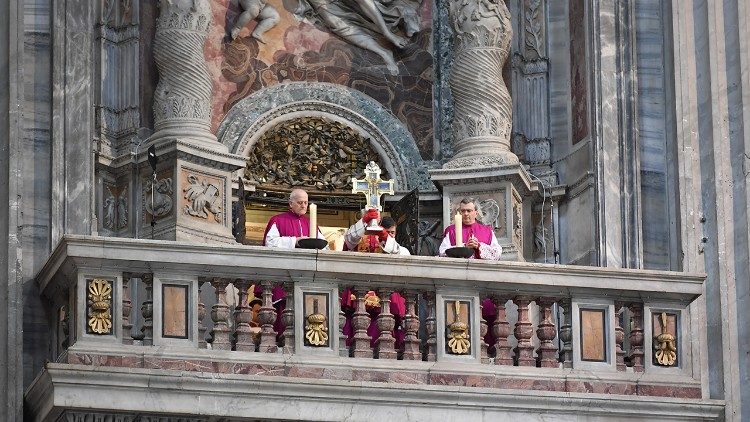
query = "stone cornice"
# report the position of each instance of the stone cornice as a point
(208, 394)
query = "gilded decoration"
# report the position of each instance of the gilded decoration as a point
(316, 330)
(458, 337)
(100, 303)
(309, 152)
(665, 345)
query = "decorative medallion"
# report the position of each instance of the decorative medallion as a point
(310, 152)
(100, 303)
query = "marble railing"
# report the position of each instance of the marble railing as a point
(332, 316)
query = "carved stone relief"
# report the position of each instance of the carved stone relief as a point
(534, 30)
(115, 208)
(368, 24)
(543, 246)
(310, 152)
(161, 205)
(203, 196)
(490, 209)
(482, 106)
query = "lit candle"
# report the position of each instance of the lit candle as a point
(313, 220)
(458, 223)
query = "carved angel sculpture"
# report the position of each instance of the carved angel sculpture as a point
(266, 15)
(365, 23)
(202, 196)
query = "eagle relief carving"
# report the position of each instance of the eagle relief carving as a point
(202, 197)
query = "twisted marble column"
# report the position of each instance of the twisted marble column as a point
(182, 99)
(482, 108)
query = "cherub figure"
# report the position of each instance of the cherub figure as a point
(266, 15)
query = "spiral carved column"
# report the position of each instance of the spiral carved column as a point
(182, 100)
(482, 108)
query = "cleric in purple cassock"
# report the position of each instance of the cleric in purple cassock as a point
(482, 239)
(282, 231)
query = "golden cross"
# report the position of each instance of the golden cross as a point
(372, 186)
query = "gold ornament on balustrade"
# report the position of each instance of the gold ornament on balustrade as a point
(100, 303)
(458, 338)
(316, 330)
(665, 345)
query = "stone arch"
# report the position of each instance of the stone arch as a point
(247, 120)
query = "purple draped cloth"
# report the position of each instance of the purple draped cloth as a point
(398, 309)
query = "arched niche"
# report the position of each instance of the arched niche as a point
(250, 118)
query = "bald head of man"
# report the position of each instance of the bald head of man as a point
(298, 201)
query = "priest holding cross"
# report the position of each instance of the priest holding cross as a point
(376, 235)
(371, 233)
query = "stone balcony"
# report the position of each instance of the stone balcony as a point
(143, 330)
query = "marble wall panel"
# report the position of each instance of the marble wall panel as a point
(578, 70)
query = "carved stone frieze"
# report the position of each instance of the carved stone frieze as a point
(203, 196)
(482, 106)
(310, 152)
(183, 94)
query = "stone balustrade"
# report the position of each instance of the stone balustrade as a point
(331, 317)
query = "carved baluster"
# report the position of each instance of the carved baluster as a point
(619, 336)
(267, 317)
(243, 316)
(483, 327)
(287, 317)
(431, 327)
(343, 348)
(546, 334)
(127, 305)
(220, 317)
(201, 316)
(523, 331)
(501, 331)
(636, 336)
(384, 345)
(566, 333)
(411, 328)
(147, 310)
(360, 322)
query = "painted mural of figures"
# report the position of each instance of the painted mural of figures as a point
(365, 23)
(266, 15)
